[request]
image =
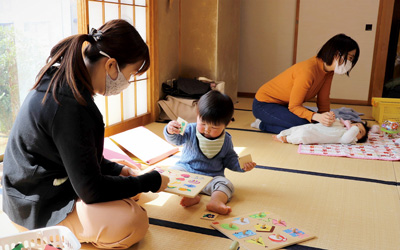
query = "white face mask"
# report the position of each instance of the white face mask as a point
(344, 68)
(114, 87)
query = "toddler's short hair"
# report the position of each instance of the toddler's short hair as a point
(215, 108)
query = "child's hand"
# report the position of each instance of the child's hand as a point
(173, 127)
(249, 166)
(164, 182)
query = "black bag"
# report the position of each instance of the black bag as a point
(185, 87)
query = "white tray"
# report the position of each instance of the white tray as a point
(58, 236)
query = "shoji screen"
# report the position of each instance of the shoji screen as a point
(120, 111)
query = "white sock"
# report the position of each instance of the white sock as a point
(256, 124)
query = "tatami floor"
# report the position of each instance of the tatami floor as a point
(347, 203)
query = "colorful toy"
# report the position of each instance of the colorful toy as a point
(182, 183)
(183, 125)
(209, 216)
(389, 128)
(262, 230)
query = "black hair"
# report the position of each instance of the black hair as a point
(339, 44)
(215, 107)
(365, 137)
(118, 38)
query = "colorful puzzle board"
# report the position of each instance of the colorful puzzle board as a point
(183, 183)
(261, 230)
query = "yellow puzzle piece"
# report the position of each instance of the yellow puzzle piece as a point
(258, 241)
(264, 228)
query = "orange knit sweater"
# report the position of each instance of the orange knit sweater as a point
(298, 84)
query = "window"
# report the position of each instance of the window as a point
(27, 33)
(133, 106)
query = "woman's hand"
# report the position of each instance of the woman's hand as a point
(173, 127)
(164, 182)
(326, 119)
(129, 169)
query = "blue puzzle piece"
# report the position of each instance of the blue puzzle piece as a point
(241, 235)
(290, 232)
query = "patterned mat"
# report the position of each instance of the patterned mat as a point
(378, 147)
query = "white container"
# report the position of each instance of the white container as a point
(58, 236)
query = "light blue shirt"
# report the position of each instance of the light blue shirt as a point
(193, 159)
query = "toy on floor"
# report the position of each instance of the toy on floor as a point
(209, 216)
(234, 245)
(261, 230)
(390, 128)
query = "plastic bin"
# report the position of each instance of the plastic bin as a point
(385, 109)
(58, 236)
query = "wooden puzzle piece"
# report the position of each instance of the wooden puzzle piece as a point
(294, 232)
(189, 185)
(209, 216)
(230, 226)
(244, 234)
(241, 221)
(244, 159)
(257, 241)
(259, 215)
(183, 124)
(264, 228)
(279, 222)
(277, 238)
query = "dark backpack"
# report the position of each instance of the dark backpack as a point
(186, 87)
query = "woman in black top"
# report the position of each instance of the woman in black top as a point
(54, 171)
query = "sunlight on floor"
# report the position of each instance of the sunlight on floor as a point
(239, 150)
(160, 201)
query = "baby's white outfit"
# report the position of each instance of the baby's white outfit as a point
(318, 133)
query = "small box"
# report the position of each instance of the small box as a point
(385, 109)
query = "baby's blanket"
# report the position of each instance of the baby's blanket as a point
(377, 147)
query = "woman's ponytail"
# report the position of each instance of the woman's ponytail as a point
(67, 57)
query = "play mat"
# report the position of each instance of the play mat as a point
(378, 147)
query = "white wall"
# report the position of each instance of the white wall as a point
(317, 25)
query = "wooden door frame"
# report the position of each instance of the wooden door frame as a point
(382, 38)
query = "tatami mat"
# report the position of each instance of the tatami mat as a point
(347, 203)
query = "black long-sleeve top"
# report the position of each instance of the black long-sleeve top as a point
(51, 141)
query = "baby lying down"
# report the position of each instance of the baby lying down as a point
(341, 131)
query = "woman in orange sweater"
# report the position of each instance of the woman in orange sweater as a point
(278, 104)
